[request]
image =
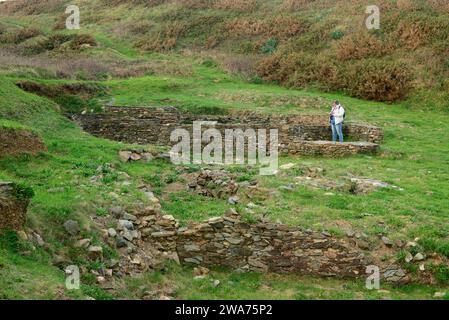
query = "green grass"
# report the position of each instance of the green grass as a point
(415, 150)
(249, 286)
(415, 157)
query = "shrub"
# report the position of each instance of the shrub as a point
(441, 273)
(59, 41)
(239, 65)
(362, 45)
(22, 191)
(295, 5)
(32, 7)
(298, 70)
(421, 29)
(80, 40)
(279, 26)
(157, 43)
(17, 36)
(337, 34)
(371, 79)
(375, 80)
(270, 46)
(236, 5)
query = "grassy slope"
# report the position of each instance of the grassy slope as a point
(416, 152)
(73, 157)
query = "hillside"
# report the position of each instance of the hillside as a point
(296, 43)
(273, 57)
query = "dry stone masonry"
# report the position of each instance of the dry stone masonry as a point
(261, 246)
(298, 134)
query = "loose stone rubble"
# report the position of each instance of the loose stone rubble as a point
(214, 183)
(149, 238)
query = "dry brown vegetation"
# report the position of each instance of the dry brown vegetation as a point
(17, 36)
(296, 43)
(32, 7)
(371, 79)
(363, 45)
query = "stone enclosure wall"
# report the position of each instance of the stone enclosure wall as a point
(154, 125)
(262, 246)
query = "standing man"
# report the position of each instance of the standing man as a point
(337, 116)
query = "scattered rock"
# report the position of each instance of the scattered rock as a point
(101, 279)
(22, 235)
(362, 244)
(83, 243)
(40, 242)
(419, 257)
(128, 216)
(395, 274)
(200, 271)
(135, 155)
(408, 257)
(120, 242)
(288, 187)
(116, 212)
(233, 200)
(72, 227)
(439, 294)
(95, 251)
(287, 166)
(111, 232)
(251, 205)
(59, 261)
(125, 224)
(387, 241)
(350, 233)
(213, 183)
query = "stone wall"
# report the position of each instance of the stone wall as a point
(12, 209)
(154, 125)
(18, 141)
(328, 148)
(262, 246)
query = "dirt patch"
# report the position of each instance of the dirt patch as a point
(56, 90)
(13, 206)
(19, 141)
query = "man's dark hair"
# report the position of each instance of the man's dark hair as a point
(337, 102)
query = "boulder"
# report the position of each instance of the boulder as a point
(72, 227)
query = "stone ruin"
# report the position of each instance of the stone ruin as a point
(261, 246)
(298, 134)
